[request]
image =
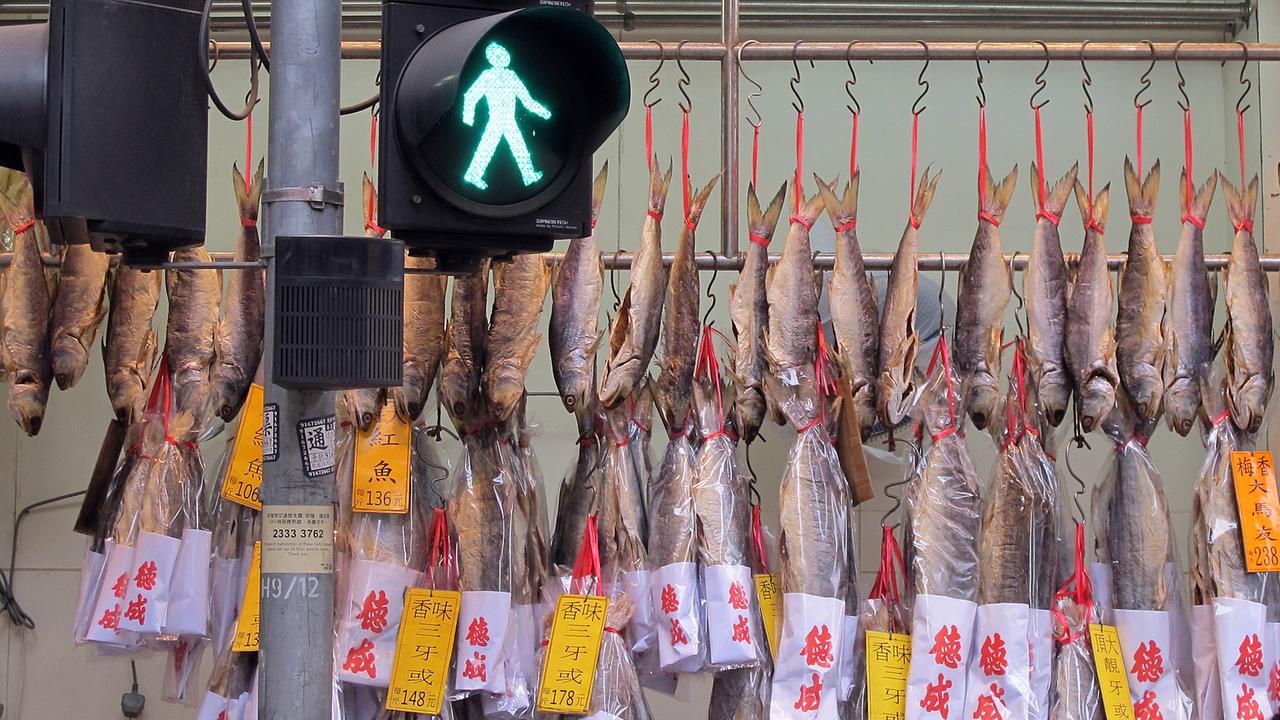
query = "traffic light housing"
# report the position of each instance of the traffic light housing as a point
(105, 109)
(491, 115)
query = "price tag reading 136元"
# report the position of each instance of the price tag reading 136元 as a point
(381, 482)
(1111, 674)
(244, 473)
(424, 648)
(888, 656)
(574, 648)
(246, 639)
(1259, 502)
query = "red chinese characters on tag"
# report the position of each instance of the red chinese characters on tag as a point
(373, 613)
(122, 584)
(677, 633)
(1148, 708)
(817, 647)
(946, 647)
(670, 603)
(810, 695)
(360, 659)
(137, 610)
(1273, 687)
(145, 578)
(993, 657)
(737, 597)
(937, 697)
(475, 668)
(988, 705)
(1148, 663)
(742, 630)
(1247, 705)
(1250, 660)
(478, 633)
(110, 619)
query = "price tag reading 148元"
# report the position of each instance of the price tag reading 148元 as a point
(1259, 502)
(574, 648)
(243, 481)
(424, 648)
(381, 482)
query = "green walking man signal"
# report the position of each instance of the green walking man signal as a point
(502, 88)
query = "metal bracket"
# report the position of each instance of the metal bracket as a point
(315, 195)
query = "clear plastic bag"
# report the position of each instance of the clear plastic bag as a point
(1076, 693)
(673, 554)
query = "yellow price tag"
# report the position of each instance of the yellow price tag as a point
(1109, 663)
(381, 480)
(243, 481)
(424, 648)
(770, 608)
(570, 667)
(1259, 503)
(246, 639)
(888, 658)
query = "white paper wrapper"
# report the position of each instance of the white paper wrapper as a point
(227, 591)
(216, 707)
(518, 667)
(251, 702)
(808, 649)
(1040, 646)
(370, 620)
(1100, 577)
(1273, 675)
(1208, 686)
(642, 631)
(941, 646)
(482, 634)
(108, 606)
(731, 629)
(182, 669)
(189, 588)
(90, 578)
(1245, 656)
(848, 656)
(675, 600)
(1145, 641)
(1000, 667)
(146, 602)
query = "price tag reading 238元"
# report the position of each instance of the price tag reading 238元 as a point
(1259, 502)
(381, 482)
(574, 648)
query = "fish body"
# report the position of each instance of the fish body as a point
(519, 292)
(423, 335)
(1044, 283)
(464, 346)
(481, 510)
(191, 336)
(749, 310)
(672, 520)
(1217, 542)
(577, 501)
(1090, 341)
(985, 285)
(1188, 333)
(130, 348)
(243, 323)
(1008, 532)
(680, 332)
(1141, 300)
(24, 346)
(791, 342)
(79, 305)
(575, 314)
(634, 334)
(813, 511)
(721, 496)
(1077, 695)
(896, 385)
(1249, 344)
(855, 313)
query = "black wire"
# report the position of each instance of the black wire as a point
(9, 601)
(133, 665)
(254, 38)
(208, 81)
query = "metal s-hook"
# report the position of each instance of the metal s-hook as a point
(855, 107)
(654, 80)
(1245, 82)
(1087, 81)
(684, 81)
(1018, 311)
(942, 287)
(916, 107)
(981, 97)
(798, 103)
(759, 89)
(1075, 496)
(1040, 82)
(897, 499)
(1146, 77)
(710, 292)
(755, 479)
(1185, 103)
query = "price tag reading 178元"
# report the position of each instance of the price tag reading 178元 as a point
(244, 473)
(1259, 502)
(381, 482)
(424, 648)
(574, 648)
(1112, 680)
(888, 656)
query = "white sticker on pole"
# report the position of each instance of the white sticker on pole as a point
(1100, 578)
(482, 634)
(1208, 697)
(147, 600)
(189, 597)
(1040, 646)
(642, 631)
(1145, 643)
(370, 621)
(806, 675)
(675, 599)
(848, 656)
(941, 643)
(1000, 668)
(90, 578)
(730, 630)
(1240, 635)
(104, 625)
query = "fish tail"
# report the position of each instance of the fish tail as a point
(658, 186)
(755, 216)
(1240, 202)
(996, 196)
(924, 194)
(1142, 194)
(597, 191)
(843, 210)
(1101, 202)
(1203, 197)
(812, 207)
(1059, 193)
(249, 195)
(699, 201)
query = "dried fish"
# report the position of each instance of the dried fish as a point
(575, 314)
(749, 309)
(1044, 283)
(130, 349)
(239, 335)
(1248, 340)
(1188, 316)
(190, 342)
(25, 342)
(1141, 303)
(519, 292)
(423, 336)
(79, 305)
(464, 347)
(1091, 342)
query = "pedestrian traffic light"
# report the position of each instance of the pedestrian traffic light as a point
(492, 114)
(104, 107)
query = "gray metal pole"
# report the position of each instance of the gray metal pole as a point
(296, 659)
(729, 130)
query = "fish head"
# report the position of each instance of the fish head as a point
(983, 398)
(1249, 402)
(896, 399)
(1095, 402)
(1182, 405)
(1055, 394)
(749, 411)
(28, 395)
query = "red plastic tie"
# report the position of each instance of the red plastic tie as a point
(1095, 226)
(587, 565)
(1245, 224)
(915, 154)
(248, 222)
(808, 224)
(951, 430)
(373, 138)
(689, 223)
(1046, 215)
(984, 215)
(655, 214)
(24, 227)
(755, 153)
(613, 630)
(622, 443)
(1190, 187)
(982, 167)
(1194, 220)
(757, 536)
(816, 422)
(1080, 589)
(1140, 219)
(845, 227)
(1221, 418)
(375, 227)
(853, 148)
(648, 136)
(758, 239)
(708, 367)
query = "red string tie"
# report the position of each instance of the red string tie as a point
(915, 221)
(371, 225)
(1191, 218)
(24, 227)
(690, 223)
(1221, 418)
(1094, 225)
(1245, 224)
(655, 214)
(248, 222)
(1140, 219)
(810, 426)
(845, 227)
(808, 224)
(984, 215)
(951, 430)
(1046, 215)
(613, 630)
(759, 239)
(622, 443)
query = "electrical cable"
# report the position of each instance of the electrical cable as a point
(208, 80)
(254, 38)
(8, 601)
